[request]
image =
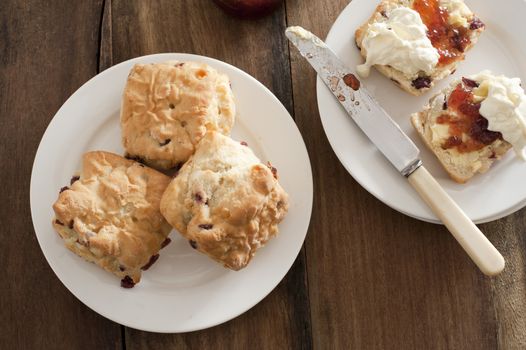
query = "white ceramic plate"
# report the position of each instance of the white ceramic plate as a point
(184, 290)
(486, 197)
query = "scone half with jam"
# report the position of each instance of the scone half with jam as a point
(416, 43)
(225, 201)
(168, 107)
(473, 123)
(109, 215)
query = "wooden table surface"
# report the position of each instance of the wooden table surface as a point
(367, 277)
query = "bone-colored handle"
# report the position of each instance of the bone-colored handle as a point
(478, 247)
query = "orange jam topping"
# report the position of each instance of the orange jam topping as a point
(468, 121)
(450, 40)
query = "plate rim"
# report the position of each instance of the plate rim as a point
(308, 208)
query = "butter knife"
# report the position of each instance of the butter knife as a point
(395, 145)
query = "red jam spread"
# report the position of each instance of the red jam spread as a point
(468, 121)
(450, 40)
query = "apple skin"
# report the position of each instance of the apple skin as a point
(250, 9)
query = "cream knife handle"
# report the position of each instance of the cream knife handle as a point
(478, 247)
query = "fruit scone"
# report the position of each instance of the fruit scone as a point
(225, 201)
(416, 43)
(168, 107)
(473, 123)
(110, 215)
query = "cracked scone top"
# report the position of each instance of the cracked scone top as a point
(168, 107)
(110, 215)
(225, 201)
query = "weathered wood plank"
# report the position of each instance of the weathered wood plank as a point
(48, 49)
(509, 288)
(106, 41)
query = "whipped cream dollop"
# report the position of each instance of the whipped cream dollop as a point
(504, 106)
(401, 42)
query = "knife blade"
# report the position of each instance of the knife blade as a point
(396, 147)
(360, 105)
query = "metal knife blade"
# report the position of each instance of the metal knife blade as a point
(366, 112)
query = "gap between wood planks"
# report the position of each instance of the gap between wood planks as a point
(105, 53)
(303, 249)
(104, 61)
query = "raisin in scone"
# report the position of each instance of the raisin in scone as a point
(225, 201)
(110, 215)
(168, 107)
(471, 124)
(416, 43)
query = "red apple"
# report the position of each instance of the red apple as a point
(248, 8)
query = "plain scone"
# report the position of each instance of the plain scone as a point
(110, 215)
(405, 82)
(460, 166)
(225, 201)
(168, 107)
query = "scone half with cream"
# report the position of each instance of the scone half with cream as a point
(225, 201)
(168, 107)
(416, 43)
(109, 215)
(473, 123)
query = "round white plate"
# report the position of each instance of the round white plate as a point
(184, 290)
(486, 197)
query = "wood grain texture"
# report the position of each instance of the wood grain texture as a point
(48, 49)
(282, 320)
(381, 280)
(509, 288)
(368, 277)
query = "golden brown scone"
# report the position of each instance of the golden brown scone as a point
(110, 215)
(225, 201)
(168, 107)
(452, 128)
(463, 29)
